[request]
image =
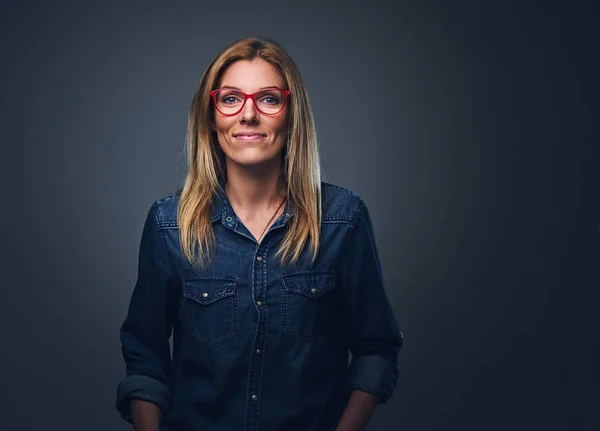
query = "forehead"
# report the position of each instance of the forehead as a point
(250, 75)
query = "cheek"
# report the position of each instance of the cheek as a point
(280, 125)
(221, 125)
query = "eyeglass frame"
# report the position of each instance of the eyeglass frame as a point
(247, 96)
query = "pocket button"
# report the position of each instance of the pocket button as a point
(212, 309)
(306, 303)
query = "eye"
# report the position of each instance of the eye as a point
(271, 98)
(230, 100)
(229, 97)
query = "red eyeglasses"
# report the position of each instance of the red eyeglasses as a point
(230, 101)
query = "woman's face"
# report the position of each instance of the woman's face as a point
(251, 137)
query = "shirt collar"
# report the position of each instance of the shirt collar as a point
(221, 208)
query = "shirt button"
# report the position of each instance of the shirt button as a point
(254, 397)
(228, 219)
(258, 351)
(313, 290)
(204, 295)
(259, 303)
(259, 258)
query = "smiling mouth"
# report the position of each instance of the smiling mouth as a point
(249, 137)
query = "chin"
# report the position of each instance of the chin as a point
(253, 158)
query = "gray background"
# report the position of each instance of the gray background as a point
(467, 128)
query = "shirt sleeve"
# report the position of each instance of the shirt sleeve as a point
(374, 336)
(147, 327)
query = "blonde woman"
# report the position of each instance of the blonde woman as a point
(265, 276)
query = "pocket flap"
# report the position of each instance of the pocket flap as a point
(310, 284)
(208, 290)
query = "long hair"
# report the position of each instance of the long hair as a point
(300, 170)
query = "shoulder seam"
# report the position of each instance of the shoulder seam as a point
(160, 219)
(343, 189)
(356, 216)
(162, 238)
(164, 199)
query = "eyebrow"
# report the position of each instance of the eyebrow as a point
(237, 88)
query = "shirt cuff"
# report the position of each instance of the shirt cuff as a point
(373, 374)
(142, 388)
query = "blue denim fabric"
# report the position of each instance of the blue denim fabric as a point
(257, 346)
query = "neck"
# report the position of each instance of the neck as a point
(253, 190)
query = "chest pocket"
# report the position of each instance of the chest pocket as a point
(212, 308)
(306, 303)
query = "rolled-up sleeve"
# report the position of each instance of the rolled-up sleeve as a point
(147, 327)
(374, 337)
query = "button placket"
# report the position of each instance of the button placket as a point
(259, 296)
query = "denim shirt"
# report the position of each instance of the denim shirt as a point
(257, 346)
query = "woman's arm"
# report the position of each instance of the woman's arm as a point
(358, 412)
(373, 332)
(147, 328)
(144, 415)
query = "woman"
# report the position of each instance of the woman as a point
(266, 276)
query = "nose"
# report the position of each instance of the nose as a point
(249, 112)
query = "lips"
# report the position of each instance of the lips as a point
(248, 136)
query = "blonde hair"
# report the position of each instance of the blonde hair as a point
(300, 170)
